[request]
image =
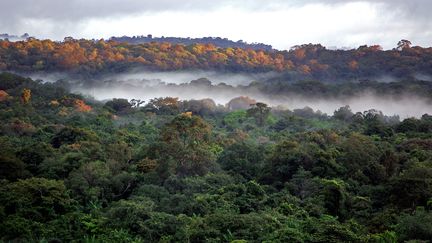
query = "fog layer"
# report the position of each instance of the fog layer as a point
(224, 87)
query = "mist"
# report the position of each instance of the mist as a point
(423, 77)
(179, 77)
(222, 87)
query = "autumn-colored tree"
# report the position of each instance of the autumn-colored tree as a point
(300, 53)
(91, 57)
(3, 95)
(353, 65)
(305, 69)
(317, 67)
(26, 96)
(81, 106)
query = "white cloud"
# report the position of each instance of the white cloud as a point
(280, 23)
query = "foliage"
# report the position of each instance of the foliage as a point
(310, 60)
(77, 170)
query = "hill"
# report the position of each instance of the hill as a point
(216, 41)
(312, 61)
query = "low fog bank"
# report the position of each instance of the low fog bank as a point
(403, 105)
(179, 77)
(224, 86)
(167, 77)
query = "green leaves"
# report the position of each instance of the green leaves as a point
(260, 112)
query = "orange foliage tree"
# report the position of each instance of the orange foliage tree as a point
(3, 95)
(81, 106)
(26, 96)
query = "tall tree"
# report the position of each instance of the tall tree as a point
(260, 112)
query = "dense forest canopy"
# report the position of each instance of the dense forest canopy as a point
(89, 57)
(74, 169)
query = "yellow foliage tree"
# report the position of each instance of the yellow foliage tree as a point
(26, 96)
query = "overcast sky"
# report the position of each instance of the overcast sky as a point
(281, 23)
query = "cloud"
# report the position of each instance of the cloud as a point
(81, 9)
(282, 23)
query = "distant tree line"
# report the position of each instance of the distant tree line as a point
(89, 57)
(217, 41)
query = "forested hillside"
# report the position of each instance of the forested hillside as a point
(73, 169)
(89, 57)
(217, 41)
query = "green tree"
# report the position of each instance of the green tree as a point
(185, 147)
(260, 112)
(28, 205)
(243, 158)
(416, 226)
(119, 106)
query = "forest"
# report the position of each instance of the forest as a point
(311, 61)
(77, 169)
(217, 41)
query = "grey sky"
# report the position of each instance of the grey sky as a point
(282, 23)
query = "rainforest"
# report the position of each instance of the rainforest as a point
(301, 121)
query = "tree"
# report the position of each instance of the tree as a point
(11, 81)
(302, 184)
(164, 106)
(136, 102)
(185, 147)
(284, 161)
(243, 158)
(11, 168)
(343, 113)
(201, 107)
(403, 44)
(412, 188)
(260, 112)
(416, 226)
(95, 181)
(70, 135)
(81, 106)
(240, 103)
(335, 197)
(3, 95)
(360, 158)
(25, 96)
(119, 106)
(28, 206)
(328, 229)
